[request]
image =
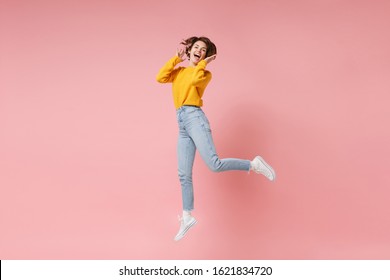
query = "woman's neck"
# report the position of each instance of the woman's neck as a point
(191, 64)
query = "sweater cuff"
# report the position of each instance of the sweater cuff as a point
(202, 64)
(176, 59)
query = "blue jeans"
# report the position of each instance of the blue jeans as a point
(195, 133)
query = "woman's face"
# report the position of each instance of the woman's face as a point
(198, 52)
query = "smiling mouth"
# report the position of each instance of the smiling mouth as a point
(197, 55)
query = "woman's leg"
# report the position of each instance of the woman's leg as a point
(199, 131)
(186, 155)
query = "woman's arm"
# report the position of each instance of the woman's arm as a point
(201, 76)
(168, 72)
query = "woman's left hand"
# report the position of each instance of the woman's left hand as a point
(210, 58)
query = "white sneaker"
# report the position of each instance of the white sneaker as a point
(259, 165)
(185, 224)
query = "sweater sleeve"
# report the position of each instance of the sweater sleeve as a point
(168, 72)
(201, 76)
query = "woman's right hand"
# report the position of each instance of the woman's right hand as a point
(181, 54)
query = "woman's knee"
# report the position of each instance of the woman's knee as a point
(215, 165)
(185, 177)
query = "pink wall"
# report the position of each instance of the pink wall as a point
(88, 137)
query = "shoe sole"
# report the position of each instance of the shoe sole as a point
(185, 231)
(269, 168)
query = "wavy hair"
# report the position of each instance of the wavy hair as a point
(188, 43)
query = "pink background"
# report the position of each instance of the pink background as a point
(88, 137)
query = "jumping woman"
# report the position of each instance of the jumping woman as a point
(188, 86)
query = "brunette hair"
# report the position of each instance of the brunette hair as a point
(188, 43)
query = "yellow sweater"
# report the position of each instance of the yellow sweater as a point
(188, 83)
